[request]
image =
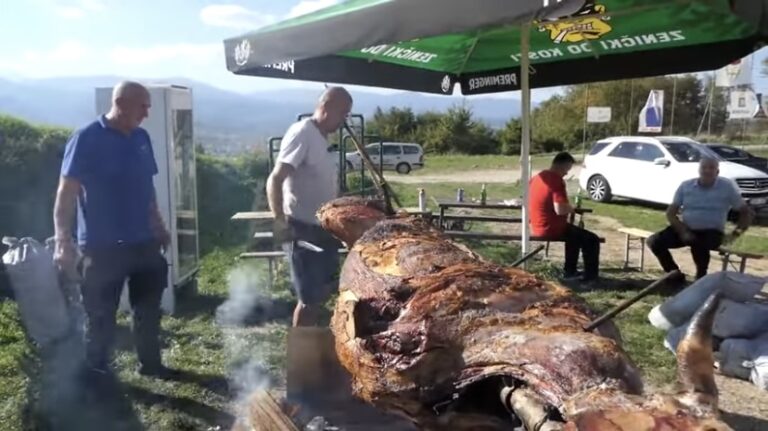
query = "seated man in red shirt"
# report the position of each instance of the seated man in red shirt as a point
(549, 211)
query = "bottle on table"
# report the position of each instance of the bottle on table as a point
(483, 195)
(422, 200)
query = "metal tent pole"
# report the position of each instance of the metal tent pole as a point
(525, 146)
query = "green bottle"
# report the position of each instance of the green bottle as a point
(483, 195)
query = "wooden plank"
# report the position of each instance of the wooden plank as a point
(263, 235)
(482, 218)
(267, 215)
(262, 255)
(273, 254)
(253, 215)
(266, 415)
(639, 233)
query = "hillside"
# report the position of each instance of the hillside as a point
(226, 121)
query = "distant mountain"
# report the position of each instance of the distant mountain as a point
(223, 118)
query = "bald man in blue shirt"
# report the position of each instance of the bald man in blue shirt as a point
(697, 218)
(107, 183)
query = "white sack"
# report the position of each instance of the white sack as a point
(34, 280)
(759, 373)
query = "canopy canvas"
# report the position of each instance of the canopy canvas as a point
(489, 46)
(477, 43)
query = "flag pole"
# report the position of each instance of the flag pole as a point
(525, 146)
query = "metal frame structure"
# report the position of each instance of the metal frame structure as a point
(274, 146)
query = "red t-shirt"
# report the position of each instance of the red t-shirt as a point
(546, 189)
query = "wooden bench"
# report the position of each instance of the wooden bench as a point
(639, 235)
(270, 257)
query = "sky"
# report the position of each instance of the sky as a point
(150, 39)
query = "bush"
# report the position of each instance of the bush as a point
(550, 146)
(30, 160)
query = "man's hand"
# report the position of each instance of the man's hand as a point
(281, 230)
(65, 257)
(162, 236)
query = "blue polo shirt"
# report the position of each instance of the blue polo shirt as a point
(115, 171)
(707, 207)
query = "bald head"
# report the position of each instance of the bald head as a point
(130, 105)
(332, 109)
(128, 89)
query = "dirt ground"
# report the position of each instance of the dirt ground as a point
(490, 176)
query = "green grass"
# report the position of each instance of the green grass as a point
(214, 361)
(17, 367)
(409, 193)
(452, 163)
(643, 342)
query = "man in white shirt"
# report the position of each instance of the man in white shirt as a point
(305, 178)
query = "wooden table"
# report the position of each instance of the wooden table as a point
(444, 204)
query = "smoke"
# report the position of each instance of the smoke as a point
(244, 347)
(246, 296)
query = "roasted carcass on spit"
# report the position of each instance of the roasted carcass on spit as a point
(433, 332)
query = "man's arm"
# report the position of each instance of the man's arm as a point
(673, 210)
(156, 222)
(275, 189)
(560, 199)
(64, 208)
(738, 203)
(672, 217)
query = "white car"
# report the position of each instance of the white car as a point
(398, 156)
(650, 169)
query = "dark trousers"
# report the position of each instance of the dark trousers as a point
(581, 240)
(704, 241)
(104, 273)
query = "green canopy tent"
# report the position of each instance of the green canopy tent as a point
(487, 46)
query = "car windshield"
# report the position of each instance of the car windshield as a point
(688, 152)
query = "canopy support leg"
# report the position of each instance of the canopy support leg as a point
(525, 146)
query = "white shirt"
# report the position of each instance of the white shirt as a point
(315, 178)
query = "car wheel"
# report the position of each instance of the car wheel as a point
(403, 168)
(598, 189)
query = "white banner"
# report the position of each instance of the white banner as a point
(598, 114)
(737, 73)
(652, 115)
(744, 104)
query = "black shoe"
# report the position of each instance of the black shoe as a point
(160, 372)
(677, 280)
(572, 276)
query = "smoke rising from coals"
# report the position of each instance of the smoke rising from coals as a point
(248, 372)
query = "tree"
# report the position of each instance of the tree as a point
(561, 118)
(397, 124)
(510, 137)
